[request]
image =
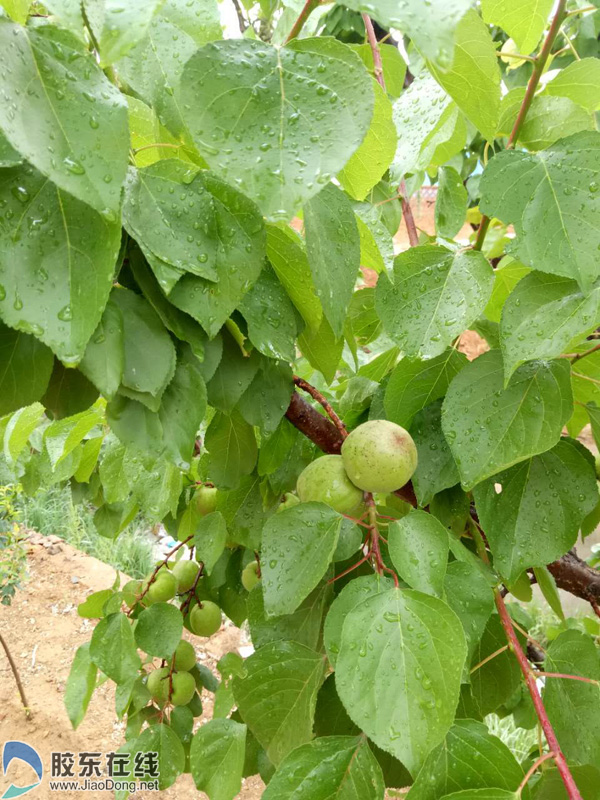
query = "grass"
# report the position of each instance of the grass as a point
(52, 511)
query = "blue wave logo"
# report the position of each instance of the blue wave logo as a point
(21, 752)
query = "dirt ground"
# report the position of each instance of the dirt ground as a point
(43, 631)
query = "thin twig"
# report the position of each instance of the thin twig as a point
(156, 144)
(540, 674)
(489, 658)
(191, 593)
(532, 769)
(374, 44)
(409, 220)
(307, 10)
(159, 566)
(17, 677)
(316, 395)
(579, 356)
(242, 21)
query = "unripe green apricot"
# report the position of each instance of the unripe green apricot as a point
(325, 480)
(158, 685)
(250, 576)
(184, 687)
(288, 501)
(164, 587)
(205, 619)
(206, 499)
(185, 572)
(379, 456)
(131, 590)
(185, 656)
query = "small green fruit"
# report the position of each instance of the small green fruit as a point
(325, 480)
(379, 456)
(185, 656)
(288, 501)
(131, 591)
(195, 705)
(206, 499)
(205, 619)
(158, 685)
(164, 587)
(250, 576)
(184, 687)
(185, 572)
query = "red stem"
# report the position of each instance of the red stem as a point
(309, 7)
(409, 220)
(542, 674)
(377, 63)
(316, 395)
(540, 709)
(532, 769)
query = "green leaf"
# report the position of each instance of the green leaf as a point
(93, 606)
(69, 392)
(80, 685)
(59, 84)
(419, 550)
(333, 251)
(121, 27)
(432, 32)
(297, 547)
(473, 79)
(436, 469)
(16, 9)
(553, 118)
(182, 410)
(158, 630)
(90, 450)
(153, 68)
(585, 381)
(273, 450)
(542, 316)
(149, 352)
(547, 584)
(104, 359)
(580, 82)
(268, 397)
(507, 275)
(163, 741)
(9, 157)
(217, 758)
(112, 473)
(113, 650)
(497, 680)
(369, 163)
(58, 260)
(574, 706)
(233, 376)
(62, 436)
(302, 626)
(535, 516)
(19, 428)
(415, 384)
(562, 180)
(482, 794)
(111, 519)
(334, 766)
(416, 114)
(322, 350)
(287, 152)
(278, 694)
(26, 366)
(490, 428)
(551, 786)
(270, 316)
(288, 259)
(351, 596)
(524, 22)
(434, 296)
(163, 203)
(209, 539)
(469, 595)
(451, 203)
(232, 447)
(398, 639)
(468, 758)
(156, 483)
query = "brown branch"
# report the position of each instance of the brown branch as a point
(313, 425)
(573, 575)
(577, 356)
(17, 677)
(309, 7)
(191, 593)
(538, 69)
(409, 220)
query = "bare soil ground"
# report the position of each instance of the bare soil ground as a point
(43, 631)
